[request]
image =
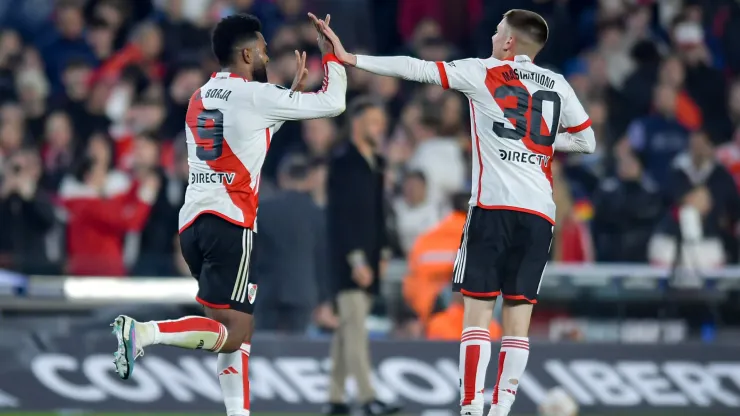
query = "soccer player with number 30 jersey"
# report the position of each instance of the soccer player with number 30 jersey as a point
(516, 111)
(230, 123)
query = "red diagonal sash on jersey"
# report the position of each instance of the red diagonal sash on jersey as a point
(240, 189)
(494, 79)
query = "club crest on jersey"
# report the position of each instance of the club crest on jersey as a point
(251, 292)
(226, 178)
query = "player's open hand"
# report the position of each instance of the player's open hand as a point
(325, 46)
(301, 73)
(339, 51)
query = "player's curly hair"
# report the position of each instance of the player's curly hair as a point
(231, 31)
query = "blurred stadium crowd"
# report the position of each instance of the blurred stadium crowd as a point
(92, 112)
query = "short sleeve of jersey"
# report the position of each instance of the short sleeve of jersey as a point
(460, 75)
(574, 117)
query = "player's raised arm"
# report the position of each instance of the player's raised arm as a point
(446, 74)
(281, 104)
(578, 136)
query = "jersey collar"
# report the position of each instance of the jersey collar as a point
(227, 75)
(518, 58)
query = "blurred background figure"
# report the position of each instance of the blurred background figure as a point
(447, 325)
(358, 240)
(438, 158)
(659, 137)
(627, 207)
(431, 261)
(572, 237)
(155, 253)
(291, 227)
(705, 210)
(414, 213)
(26, 216)
(103, 206)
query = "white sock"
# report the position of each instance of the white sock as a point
(512, 360)
(191, 332)
(233, 374)
(475, 353)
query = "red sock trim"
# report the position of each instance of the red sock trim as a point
(480, 338)
(501, 359)
(475, 335)
(472, 356)
(221, 338)
(515, 343)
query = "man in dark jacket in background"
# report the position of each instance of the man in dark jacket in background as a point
(627, 208)
(26, 216)
(357, 238)
(698, 168)
(290, 255)
(156, 247)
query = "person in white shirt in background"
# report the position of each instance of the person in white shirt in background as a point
(440, 159)
(415, 213)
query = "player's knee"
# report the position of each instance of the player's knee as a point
(237, 337)
(230, 346)
(515, 318)
(239, 328)
(478, 312)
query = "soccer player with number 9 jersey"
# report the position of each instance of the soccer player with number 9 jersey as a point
(517, 110)
(229, 125)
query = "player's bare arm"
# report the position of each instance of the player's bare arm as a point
(301, 73)
(280, 104)
(404, 67)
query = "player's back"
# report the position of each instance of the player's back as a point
(227, 141)
(516, 109)
(229, 125)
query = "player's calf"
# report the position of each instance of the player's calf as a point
(513, 355)
(222, 333)
(190, 332)
(475, 354)
(233, 376)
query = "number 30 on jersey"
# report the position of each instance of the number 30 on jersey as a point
(526, 116)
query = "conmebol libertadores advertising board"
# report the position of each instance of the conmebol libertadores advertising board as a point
(292, 376)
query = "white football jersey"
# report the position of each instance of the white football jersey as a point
(229, 125)
(516, 108)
